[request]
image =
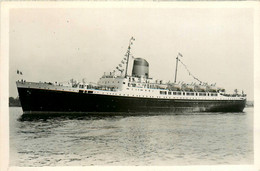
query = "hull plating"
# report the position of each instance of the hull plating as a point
(49, 101)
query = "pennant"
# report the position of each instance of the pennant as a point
(180, 54)
(19, 72)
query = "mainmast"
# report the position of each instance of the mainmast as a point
(128, 54)
(176, 69)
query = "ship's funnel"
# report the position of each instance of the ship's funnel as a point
(140, 68)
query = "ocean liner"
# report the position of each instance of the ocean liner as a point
(120, 92)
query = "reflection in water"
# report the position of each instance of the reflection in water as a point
(86, 116)
(204, 138)
(45, 117)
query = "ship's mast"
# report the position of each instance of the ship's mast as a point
(176, 69)
(128, 54)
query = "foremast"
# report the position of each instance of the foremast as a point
(128, 54)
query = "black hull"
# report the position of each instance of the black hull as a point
(51, 101)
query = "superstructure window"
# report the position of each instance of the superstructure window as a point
(163, 92)
(202, 94)
(169, 93)
(190, 94)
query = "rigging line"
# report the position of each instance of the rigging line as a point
(190, 72)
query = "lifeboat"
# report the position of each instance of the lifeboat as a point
(187, 87)
(200, 88)
(162, 86)
(174, 87)
(211, 88)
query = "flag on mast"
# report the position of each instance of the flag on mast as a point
(19, 72)
(180, 54)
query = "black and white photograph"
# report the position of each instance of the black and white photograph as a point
(142, 84)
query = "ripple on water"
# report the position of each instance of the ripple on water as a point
(131, 140)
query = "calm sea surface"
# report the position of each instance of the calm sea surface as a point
(131, 140)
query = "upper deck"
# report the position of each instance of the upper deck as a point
(140, 90)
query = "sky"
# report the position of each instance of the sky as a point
(58, 44)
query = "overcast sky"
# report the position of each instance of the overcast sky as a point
(60, 44)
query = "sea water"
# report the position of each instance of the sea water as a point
(194, 139)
